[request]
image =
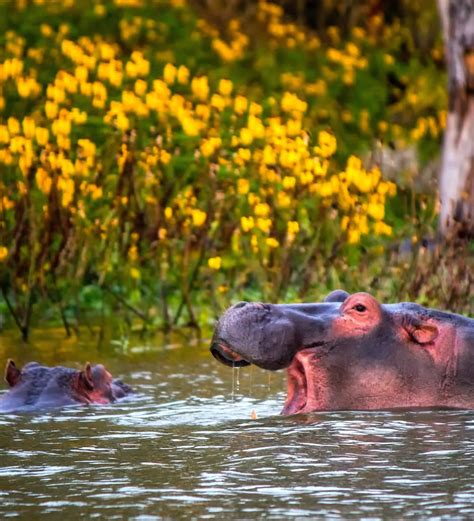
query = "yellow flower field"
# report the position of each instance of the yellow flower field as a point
(175, 164)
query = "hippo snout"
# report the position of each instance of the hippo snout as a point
(229, 333)
(268, 335)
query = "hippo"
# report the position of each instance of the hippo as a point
(38, 387)
(350, 352)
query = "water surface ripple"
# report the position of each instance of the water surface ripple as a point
(186, 446)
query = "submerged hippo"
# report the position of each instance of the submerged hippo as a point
(350, 352)
(37, 386)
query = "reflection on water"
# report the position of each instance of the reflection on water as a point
(186, 446)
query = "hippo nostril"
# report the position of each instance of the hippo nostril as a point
(240, 305)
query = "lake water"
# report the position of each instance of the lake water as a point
(187, 446)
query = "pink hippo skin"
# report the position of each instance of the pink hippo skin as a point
(350, 352)
(38, 387)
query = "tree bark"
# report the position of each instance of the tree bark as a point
(457, 166)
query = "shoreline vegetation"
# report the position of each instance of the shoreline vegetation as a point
(160, 160)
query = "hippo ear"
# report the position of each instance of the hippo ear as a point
(85, 381)
(12, 373)
(339, 295)
(422, 332)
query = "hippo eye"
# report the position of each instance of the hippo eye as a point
(360, 308)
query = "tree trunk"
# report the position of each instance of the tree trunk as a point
(457, 166)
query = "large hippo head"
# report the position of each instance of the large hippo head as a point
(37, 386)
(350, 352)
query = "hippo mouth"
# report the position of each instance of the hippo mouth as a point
(297, 391)
(306, 382)
(300, 374)
(224, 354)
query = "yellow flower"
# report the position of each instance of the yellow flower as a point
(96, 192)
(326, 144)
(107, 52)
(122, 122)
(183, 74)
(67, 187)
(253, 199)
(81, 73)
(209, 146)
(165, 157)
(291, 103)
(46, 30)
(63, 142)
(168, 213)
(133, 253)
(4, 134)
(289, 182)
(240, 105)
(203, 111)
(88, 148)
(215, 263)
(42, 135)
(354, 163)
(380, 228)
(131, 69)
(246, 136)
(294, 127)
(243, 155)
(28, 125)
(3, 253)
(254, 243)
(284, 200)
(51, 109)
(256, 127)
(199, 217)
(134, 273)
(353, 237)
(99, 10)
(43, 180)
(269, 156)
(247, 223)
(61, 127)
(57, 94)
(344, 223)
(218, 102)
(264, 224)
(169, 73)
(243, 186)
(272, 242)
(358, 32)
(191, 127)
(325, 189)
(376, 211)
(262, 209)
(352, 49)
(293, 227)
(140, 87)
(200, 87)
(225, 87)
(255, 109)
(13, 126)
